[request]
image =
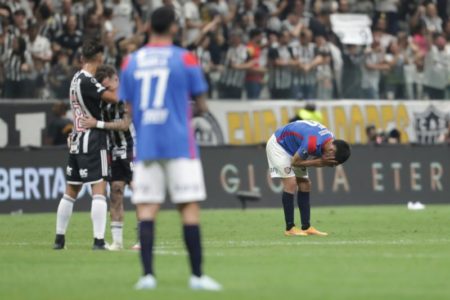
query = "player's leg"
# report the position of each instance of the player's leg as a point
(64, 213)
(148, 176)
(280, 167)
(116, 213)
(304, 189)
(99, 211)
(187, 187)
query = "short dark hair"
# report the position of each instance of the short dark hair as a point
(255, 32)
(105, 71)
(342, 151)
(161, 19)
(91, 47)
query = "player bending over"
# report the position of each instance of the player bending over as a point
(291, 150)
(158, 82)
(87, 162)
(121, 148)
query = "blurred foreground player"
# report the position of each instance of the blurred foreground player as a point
(158, 81)
(121, 148)
(87, 162)
(291, 150)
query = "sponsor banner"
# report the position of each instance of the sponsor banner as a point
(242, 123)
(34, 181)
(252, 122)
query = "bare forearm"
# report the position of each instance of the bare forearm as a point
(120, 125)
(307, 163)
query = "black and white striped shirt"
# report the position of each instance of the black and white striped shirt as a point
(306, 54)
(12, 65)
(120, 143)
(280, 77)
(233, 77)
(85, 100)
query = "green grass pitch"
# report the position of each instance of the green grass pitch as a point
(373, 252)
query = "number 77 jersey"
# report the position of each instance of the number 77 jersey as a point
(158, 82)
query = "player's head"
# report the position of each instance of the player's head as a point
(163, 22)
(342, 151)
(107, 76)
(92, 51)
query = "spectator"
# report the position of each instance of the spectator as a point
(121, 20)
(353, 58)
(436, 69)
(193, 22)
(395, 78)
(324, 75)
(388, 11)
(60, 127)
(236, 64)
(432, 19)
(373, 137)
(41, 52)
(70, 39)
(394, 137)
(308, 60)
(255, 74)
(374, 63)
(17, 64)
(60, 76)
(281, 63)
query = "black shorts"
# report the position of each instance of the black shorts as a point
(122, 170)
(87, 168)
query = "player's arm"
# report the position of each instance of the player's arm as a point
(119, 125)
(298, 161)
(200, 106)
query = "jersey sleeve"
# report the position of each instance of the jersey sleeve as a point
(196, 79)
(91, 89)
(308, 147)
(125, 79)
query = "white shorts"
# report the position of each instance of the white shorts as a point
(280, 161)
(183, 177)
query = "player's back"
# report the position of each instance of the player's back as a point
(308, 135)
(158, 82)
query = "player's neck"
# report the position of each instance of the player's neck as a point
(91, 68)
(160, 40)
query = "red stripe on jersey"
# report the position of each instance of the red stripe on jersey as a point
(125, 62)
(326, 141)
(312, 144)
(190, 60)
(289, 133)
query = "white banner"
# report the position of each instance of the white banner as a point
(352, 29)
(241, 123)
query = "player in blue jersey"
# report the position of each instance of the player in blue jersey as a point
(158, 82)
(291, 150)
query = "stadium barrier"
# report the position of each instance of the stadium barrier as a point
(23, 123)
(32, 180)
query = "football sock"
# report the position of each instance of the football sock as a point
(146, 235)
(193, 244)
(288, 206)
(305, 209)
(63, 214)
(117, 232)
(99, 210)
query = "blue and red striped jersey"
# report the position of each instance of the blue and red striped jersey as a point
(305, 137)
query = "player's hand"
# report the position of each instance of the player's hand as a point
(88, 122)
(328, 161)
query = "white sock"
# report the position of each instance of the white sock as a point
(99, 210)
(117, 232)
(64, 213)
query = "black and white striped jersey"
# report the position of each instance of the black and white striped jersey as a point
(85, 100)
(120, 143)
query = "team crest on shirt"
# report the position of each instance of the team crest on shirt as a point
(287, 170)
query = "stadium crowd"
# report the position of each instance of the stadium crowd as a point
(276, 49)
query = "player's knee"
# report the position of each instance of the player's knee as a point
(304, 184)
(289, 185)
(117, 189)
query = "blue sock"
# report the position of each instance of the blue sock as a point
(288, 207)
(305, 209)
(192, 240)
(146, 236)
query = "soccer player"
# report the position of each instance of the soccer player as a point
(121, 148)
(87, 163)
(158, 82)
(291, 150)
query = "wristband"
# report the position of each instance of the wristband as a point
(100, 124)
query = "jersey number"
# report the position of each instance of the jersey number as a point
(153, 79)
